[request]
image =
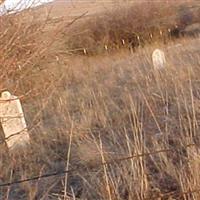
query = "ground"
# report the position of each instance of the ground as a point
(125, 130)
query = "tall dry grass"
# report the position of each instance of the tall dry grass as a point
(112, 107)
(90, 110)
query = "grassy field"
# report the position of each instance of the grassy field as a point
(125, 130)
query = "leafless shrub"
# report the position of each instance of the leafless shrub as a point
(125, 27)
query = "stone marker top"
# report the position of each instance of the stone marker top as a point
(158, 58)
(10, 105)
(6, 96)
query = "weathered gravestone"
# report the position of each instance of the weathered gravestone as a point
(12, 121)
(158, 58)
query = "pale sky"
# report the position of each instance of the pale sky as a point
(21, 4)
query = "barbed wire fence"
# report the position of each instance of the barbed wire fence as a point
(177, 195)
(174, 194)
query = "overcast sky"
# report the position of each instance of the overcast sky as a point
(21, 4)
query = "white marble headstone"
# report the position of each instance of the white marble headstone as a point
(13, 121)
(158, 58)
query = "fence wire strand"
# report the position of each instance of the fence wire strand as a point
(175, 194)
(113, 161)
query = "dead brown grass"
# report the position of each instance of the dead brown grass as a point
(92, 110)
(115, 106)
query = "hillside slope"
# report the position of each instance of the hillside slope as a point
(105, 125)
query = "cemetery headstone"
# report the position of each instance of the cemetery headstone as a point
(13, 121)
(158, 58)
